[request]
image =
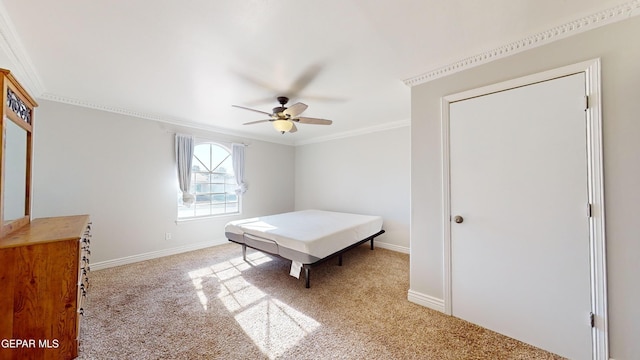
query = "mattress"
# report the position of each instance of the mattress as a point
(304, 236)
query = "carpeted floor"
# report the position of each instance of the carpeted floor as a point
(210, 304)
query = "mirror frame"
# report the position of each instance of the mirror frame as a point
(19, 110)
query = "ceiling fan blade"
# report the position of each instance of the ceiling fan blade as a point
(250, 109)
(261, 101)
(296, 109)
(255, 81)
(293, 129)
(307, 120)
(304, 79)
(256, 122)
(325, 98)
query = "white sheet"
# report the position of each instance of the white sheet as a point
(315, 232)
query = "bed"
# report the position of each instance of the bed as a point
(306, 237)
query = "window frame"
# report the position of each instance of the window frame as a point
(210, 183)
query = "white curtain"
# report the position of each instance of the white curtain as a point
(237, 154)
(184, 158)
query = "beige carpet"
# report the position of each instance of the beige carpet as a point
(210, 304)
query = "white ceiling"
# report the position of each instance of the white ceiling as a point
(188, 61)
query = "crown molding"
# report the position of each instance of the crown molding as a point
(22, 67)
(219, 130)
(161, 119)
(612, 15)
(358, 132)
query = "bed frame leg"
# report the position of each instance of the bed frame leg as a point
(372, 244)
(340, 260)
(306, 277)
(244, 252)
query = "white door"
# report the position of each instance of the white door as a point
(518, 178)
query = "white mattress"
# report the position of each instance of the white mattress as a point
(315, 232)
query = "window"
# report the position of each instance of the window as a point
(213, 183)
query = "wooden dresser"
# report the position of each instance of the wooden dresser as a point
(43, 284)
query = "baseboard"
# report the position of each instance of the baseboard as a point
(426, 300)
(155, 254)
(388, 246)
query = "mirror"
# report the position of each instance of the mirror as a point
(15, 175)
(16, 126)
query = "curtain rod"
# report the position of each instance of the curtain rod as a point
(207, 138)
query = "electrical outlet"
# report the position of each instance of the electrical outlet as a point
(167, 236)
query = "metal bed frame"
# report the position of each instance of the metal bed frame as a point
(307, 267)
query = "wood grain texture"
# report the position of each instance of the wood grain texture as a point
(7, 279)
(47, 230)
(44, 296)
(9, 82)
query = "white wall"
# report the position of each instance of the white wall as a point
(366, 174)
(617, 47)
(121, 171)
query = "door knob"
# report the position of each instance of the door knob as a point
(458, 219)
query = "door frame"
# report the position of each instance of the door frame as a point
(593, 109)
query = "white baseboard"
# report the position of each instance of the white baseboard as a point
(155, 254)
(426, 300)
(388, 246)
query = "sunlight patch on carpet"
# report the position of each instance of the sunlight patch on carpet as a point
(226, 270)
(273, 326)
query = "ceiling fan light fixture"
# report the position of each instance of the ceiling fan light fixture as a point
(283, 126)
(284, 118)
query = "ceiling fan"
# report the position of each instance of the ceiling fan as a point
(284, 118)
